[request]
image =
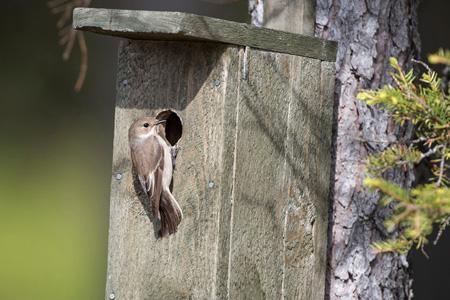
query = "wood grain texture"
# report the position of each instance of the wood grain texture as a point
(252, 175)
(180, 76)
(296, 16)
(135, 24)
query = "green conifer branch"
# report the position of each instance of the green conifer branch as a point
(428, 107)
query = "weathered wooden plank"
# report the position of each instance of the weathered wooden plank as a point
(134, 24)
(281, 184)
(256, 265)
(252, 174)
(300, 185)
(153, 76)
(308, 154)
(322, 164)
(296, 16)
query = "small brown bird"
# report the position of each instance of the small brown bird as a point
(151, 155)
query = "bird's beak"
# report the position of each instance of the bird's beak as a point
(160, 121)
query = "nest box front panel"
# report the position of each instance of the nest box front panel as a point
(251, 175)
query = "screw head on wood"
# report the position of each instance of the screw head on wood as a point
(217, 82)
(211, 184)
(125, 82)
(112, 296)
(118, 176)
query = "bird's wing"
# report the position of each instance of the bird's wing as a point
(148, 160)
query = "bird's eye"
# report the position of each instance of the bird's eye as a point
(146, 125)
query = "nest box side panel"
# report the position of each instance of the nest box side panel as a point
(197, 81)
(280, 191)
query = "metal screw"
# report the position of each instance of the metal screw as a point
(217, 82)
(118, 176)
(112, 296)
(211, 184)
(125, 82)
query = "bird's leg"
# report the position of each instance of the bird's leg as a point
(174, 151)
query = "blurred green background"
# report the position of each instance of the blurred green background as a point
(56, 149)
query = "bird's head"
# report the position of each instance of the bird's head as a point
(144, 127)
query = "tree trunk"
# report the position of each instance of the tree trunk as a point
(256, 12)
(368, 32)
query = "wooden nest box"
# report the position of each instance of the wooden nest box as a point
(251, 109)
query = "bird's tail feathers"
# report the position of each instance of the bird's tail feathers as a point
(171, 214)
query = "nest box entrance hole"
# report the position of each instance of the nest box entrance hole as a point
(173, 125)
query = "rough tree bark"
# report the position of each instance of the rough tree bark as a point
(256, 12)
(368, 32)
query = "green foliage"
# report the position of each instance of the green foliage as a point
(427, 106)
(442, 57)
